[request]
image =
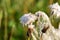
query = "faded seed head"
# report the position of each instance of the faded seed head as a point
(28, 18)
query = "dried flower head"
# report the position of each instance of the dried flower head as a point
(55, 9)
(54, 6)
(43, 14)
(28, 18)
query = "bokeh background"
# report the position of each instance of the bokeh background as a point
(12, 10)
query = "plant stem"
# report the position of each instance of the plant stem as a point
(5, 31)
(12, 29)
(1, 15)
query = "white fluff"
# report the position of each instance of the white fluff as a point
(44, 15)
(45, 37)
(51, 33)
(31, 26)
(28, 18)
(56, 8)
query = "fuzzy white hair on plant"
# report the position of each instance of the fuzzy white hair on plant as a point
(28, 18)
(54, 6)
(55, 9)
(44, 15)
(51, 33)
(45, 19)
(45, 23)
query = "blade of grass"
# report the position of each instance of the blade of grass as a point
(5, 18)
(1, 15)
(12, 30)
(5, 31)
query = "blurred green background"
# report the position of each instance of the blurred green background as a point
(12, 10)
